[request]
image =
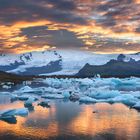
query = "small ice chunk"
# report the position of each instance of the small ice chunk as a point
(66, 94)
(45, 103)
(127, 99)
(25, 89)
(51, 90)
(137, 106)
(29, 102)
(23, 97)
(21, 112)
(87, 99)
(53, 96)
(14, 97)
(13, 112)
(100, 94)
(74, 97)
(8, 112)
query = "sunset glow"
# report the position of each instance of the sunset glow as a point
(99, 26)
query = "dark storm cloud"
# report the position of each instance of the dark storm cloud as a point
(32, 24)
(15, 10)
(63, 5)
(117, 12)
(56, 38)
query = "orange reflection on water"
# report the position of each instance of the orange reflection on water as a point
(22, 128)
(43, 122)
(115, 117)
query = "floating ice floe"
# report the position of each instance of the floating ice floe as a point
(87, 99)
(13, 112)
(23, 97)
(137, 106)
(87, 90)
(14, 97)
(26, 89)
(30, 101)
(7, 113)
(74, 97)
(53, 96)
(21, 112)
(104, 94)
(66, 94)
(45, 103)
(127, 99)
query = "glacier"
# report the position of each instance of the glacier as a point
(70, 62)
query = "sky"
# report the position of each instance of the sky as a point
(101, 26)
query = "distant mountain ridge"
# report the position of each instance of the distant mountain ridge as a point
(113, 68)
(59, 62)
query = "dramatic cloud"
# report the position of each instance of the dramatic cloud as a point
(104, 26)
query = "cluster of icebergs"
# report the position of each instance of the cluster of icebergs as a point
(94, 90)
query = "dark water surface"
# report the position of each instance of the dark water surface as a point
(67, 120)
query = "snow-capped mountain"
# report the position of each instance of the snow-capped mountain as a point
(59, 62)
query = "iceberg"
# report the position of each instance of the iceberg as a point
(137, 106)
(127, 99)
(87, 90)
(23, 97)
(9, 119)
(51, 90)
(25, 89)
(53, 96)
(104, 94)
(45, 103)
(9, 113)
(21, 112)
(14, 97)
(74, 97)
(66, 94)
(30, 101)
(87, 99)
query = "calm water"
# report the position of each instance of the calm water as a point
(67, 120)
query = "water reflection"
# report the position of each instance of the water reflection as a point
(68, 120)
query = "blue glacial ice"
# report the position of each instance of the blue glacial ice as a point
(87, 90)
(9, 113)
(30, 101)
(45, 103)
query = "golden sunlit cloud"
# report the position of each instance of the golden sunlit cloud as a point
(95, 24)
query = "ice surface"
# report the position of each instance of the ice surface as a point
(137, 105)
(66, 94)
(45, 103)
(104, 94)
(21, 112)
(87, 99)
(29, 102)
(87, 90)
(13, 112)
(23, 97)
(127, 99)
(25, 89)
(53, 96)
(10, 112)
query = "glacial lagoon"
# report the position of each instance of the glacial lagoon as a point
(91, 116)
